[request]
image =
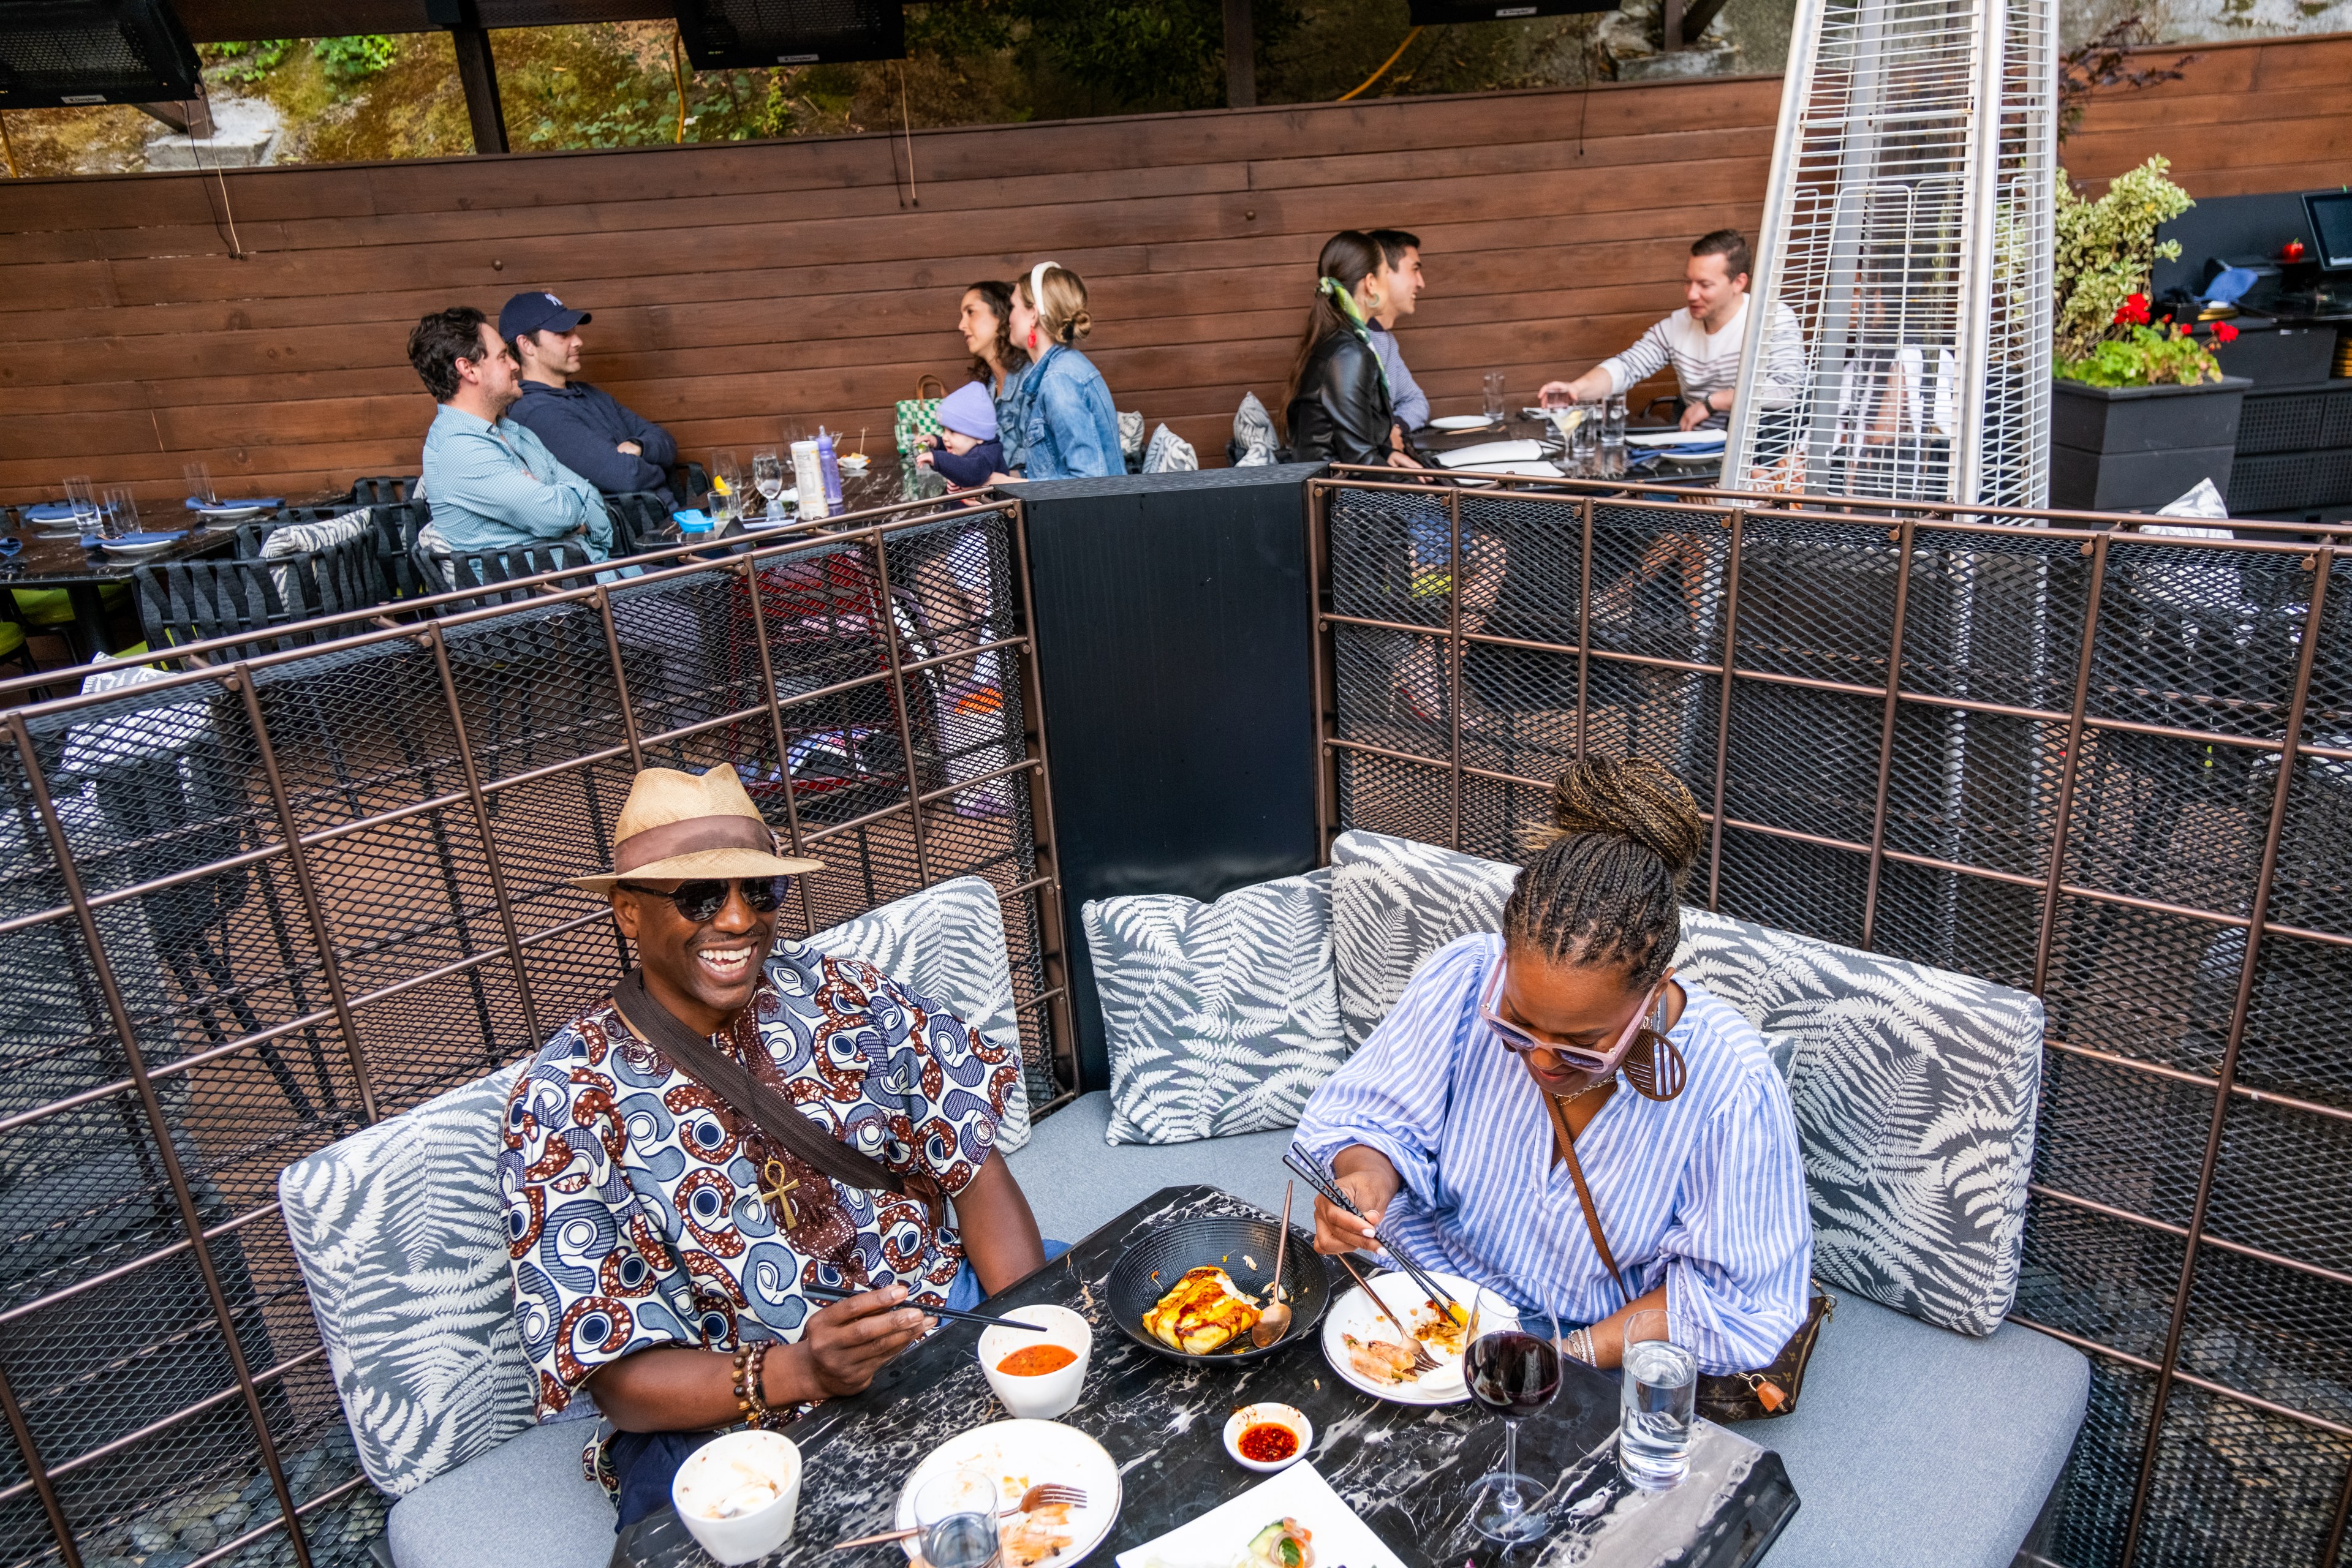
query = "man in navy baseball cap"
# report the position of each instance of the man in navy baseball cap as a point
(611, 447)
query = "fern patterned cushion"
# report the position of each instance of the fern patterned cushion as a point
(1915, 1088)
(400, 1232)
(1221, 1018)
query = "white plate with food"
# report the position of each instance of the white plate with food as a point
(1018, 1455)
(1294, 1521)
(1460, 422)
(1362, 1346)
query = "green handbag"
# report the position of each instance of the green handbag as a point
(918, 416)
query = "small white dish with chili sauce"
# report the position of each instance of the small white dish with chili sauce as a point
(1011, 1359)
(1259, 1429)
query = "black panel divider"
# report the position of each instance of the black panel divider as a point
(1172, 649)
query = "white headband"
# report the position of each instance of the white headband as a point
(1037, 282)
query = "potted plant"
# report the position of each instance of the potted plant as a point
(2141, 411)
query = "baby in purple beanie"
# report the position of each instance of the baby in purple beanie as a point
(969, 451)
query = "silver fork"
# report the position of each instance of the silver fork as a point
(1042, 1496)
(1422, 1361)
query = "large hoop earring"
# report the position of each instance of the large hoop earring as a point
(1654, 1077)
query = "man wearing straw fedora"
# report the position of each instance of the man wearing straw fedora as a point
(695, 1164)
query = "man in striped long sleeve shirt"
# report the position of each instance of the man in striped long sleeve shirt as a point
(1703, 342)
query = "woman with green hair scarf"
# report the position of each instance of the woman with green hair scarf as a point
(1336, 408)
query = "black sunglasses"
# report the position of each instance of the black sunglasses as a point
(700, 901)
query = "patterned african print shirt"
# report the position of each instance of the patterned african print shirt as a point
(632, 1214)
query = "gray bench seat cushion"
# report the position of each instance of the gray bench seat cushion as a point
(1918, 1447)
(525, 1500)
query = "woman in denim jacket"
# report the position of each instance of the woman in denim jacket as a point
(1055, 417)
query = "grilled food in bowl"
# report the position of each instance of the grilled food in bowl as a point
(1202, 1281)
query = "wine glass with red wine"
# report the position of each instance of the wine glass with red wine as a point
(1511, 1361)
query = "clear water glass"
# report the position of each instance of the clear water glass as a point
(83, 498)
(1659, 1403)
(199, 480)
(956, 1514)
(1584, 439)
(723, 466)
(1494, 406)
(118, 514)
(1612, 438)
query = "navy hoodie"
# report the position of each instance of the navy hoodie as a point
(584, 427)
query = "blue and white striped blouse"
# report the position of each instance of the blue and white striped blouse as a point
(1705, 1191)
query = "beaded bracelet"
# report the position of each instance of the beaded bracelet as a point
(1583, 1338)
(750, 1364)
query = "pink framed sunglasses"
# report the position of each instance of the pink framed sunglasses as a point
(1584, 1058)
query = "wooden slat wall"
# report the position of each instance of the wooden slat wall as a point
(740, 287)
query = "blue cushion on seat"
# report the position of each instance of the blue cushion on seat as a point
(525, 1500)
(1914, 1446)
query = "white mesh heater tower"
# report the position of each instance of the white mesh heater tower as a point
(1907, 235)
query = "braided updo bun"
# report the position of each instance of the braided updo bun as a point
(1602, 885)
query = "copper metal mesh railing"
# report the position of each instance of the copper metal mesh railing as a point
(2111, 768)
(249, 908)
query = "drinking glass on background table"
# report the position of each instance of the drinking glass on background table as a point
(1495, 411)
(1654, 1432)
(1584, 439)
(1612, 437)
(956, 1514)
(1511, 1362)
(118, 514)
(83, 497)
(768, 478)
(199, 480)
(724, 468)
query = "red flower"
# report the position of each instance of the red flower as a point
(2224, 333)
(2133, 311)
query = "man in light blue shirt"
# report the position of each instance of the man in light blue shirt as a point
(1401, 285)
(491, 484)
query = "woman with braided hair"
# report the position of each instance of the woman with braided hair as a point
(1565, 1048)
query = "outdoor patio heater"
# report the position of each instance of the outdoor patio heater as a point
(1906, 236)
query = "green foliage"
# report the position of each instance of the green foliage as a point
(2149, 356)
(243, 61)
(354, 59)
(2106, 252)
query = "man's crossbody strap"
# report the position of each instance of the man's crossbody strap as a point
(744, 1094)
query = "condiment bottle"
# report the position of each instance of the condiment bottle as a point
(825, 455)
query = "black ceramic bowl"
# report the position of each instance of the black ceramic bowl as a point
(1243, 1248)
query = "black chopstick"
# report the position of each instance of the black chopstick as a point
(1329, 1187)
(827, 1293)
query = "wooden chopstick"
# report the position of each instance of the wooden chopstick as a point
(827, 1293)
(1323, 1183)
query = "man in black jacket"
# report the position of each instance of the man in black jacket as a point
(611, 447)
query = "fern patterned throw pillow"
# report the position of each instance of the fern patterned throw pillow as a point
(1221, 1018)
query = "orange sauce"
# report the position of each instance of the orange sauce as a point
(1036, 1359)
(1267, 1442)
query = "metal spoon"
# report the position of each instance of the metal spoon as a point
(1275, 1322)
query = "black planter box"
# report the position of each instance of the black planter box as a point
(2136, 448)
(2270, 355)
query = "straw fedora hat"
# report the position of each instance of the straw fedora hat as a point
(684, 826)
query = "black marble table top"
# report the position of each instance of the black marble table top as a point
(1405, 1470)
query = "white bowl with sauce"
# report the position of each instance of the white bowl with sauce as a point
(1042, 1396)
(737, 1494)
(1290, 1419)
